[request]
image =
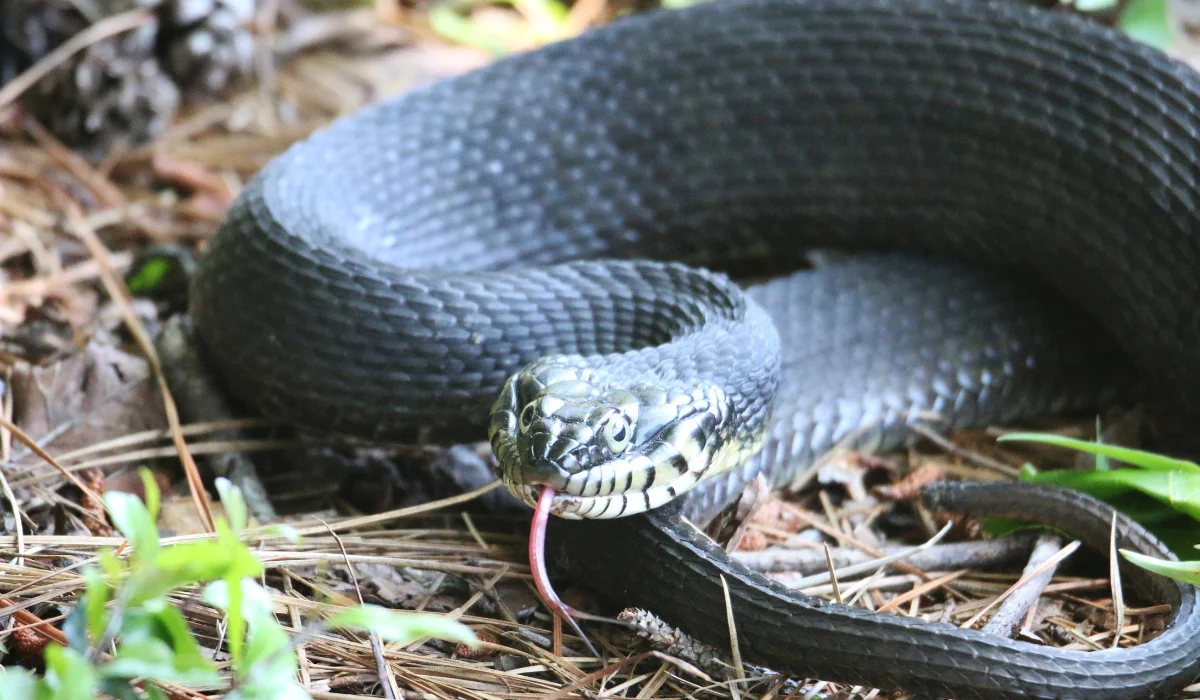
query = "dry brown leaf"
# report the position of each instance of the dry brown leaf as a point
(93, 395)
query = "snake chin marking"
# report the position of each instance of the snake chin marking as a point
(609, 448)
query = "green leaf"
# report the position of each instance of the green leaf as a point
(1102, 464)
(448, 20)
(1186, 571)
(283, 530)
(69, 676)
(1103, 485)
(119, 688)
(18, 684)
(153, 495)
(403, 627)
(235, 622)
(75, 630)
(112, 566)
(269, 656)
(94, 597)
(265, 639)
(188, 563)
(1137, 458)
(156, 643)
(242, 599)
(234, 502)
(153, 659)
(269, 688)
(205, 561)
(1148, 22)
(255, 599)
(173, 629)
(149, 275)
(268, 667)
(130, 516)
(266, 651)
(1180, 490)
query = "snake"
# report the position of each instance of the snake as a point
(700, 246)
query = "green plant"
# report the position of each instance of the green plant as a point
(127, 634)
(1160, 492)
(1148, 22)
(545, 21)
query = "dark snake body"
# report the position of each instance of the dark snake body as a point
(744, 132)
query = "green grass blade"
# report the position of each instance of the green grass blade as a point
(1136, 458)
(1186, 571)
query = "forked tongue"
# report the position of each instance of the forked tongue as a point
(537, 564)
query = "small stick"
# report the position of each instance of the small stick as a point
(1114, 575)
(1031, 573)
(941, 557)
(1007, 619)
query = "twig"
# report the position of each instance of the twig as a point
(939, 557)
(837, 591)
(162, 434)
(6, 409)
(201, 448)
(1114, 575)
(920, 590)
(969, 455)
(840, 536)
(735, 649)
(1047, 564)
(289, 590)
(1007, 619)
(365, 520)
(29, 442)
(28, 619)
(72, 162)
(862, 587)
(854, 570)
(636, 658)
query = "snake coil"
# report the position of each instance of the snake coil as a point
(386, 277)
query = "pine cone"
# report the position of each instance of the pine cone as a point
(31, 29)
(207, 44)
(126, 89)
(113, 93)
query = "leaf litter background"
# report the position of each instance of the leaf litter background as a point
(80, 380)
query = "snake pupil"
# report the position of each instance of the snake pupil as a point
(616, 433)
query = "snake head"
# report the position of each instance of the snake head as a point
(608, 448)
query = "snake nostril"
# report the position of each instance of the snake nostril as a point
(561, 448)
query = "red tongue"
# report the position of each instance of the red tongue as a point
(537, 563)
(537, 555)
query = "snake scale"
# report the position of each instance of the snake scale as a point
(524, 251)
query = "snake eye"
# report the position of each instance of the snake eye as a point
(527, 417)
(617, 434)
